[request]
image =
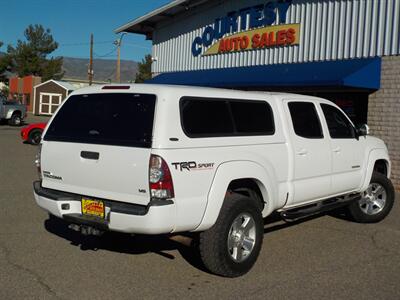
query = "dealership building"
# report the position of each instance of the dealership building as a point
(344, 50)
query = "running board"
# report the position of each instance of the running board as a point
(296, 213)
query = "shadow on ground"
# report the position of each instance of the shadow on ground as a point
(274, 222)
(128, 244)
(159, 244)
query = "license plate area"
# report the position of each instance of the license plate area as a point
(93, 207)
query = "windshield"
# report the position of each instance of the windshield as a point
(108, 119)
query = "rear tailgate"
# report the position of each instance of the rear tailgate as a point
(99, 145)
(118, 174)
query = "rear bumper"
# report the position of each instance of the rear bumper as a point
(156, 218)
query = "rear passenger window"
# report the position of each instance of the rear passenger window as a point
(209, 117)
(305, 120)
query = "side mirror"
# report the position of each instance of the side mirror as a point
(363, 130)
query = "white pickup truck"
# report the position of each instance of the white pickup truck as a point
(152, 159)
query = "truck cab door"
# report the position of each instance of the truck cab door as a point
(311, 153)
(346, 150)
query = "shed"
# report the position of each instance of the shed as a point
(49, 95)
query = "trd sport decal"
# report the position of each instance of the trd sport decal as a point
(192, 165)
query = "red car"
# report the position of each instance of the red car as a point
(33, 133)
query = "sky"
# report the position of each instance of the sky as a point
(72, 21)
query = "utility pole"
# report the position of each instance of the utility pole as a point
(118, 61)
(118, 44)
(90, 71)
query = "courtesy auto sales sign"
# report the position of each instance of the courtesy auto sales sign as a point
(267, 37)
(250, 28)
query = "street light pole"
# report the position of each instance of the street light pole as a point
(118, 43)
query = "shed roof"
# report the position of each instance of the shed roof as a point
(65, 85)
(146, 24)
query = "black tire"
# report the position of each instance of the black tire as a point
(358, 210)
(16, 120)
(35, 136)
(213, 243)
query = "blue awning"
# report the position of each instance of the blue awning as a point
(354, 73)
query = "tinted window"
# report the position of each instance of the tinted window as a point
(339, 126)
(252, 117)
(109, 119)
(205, 117)
(305, 120)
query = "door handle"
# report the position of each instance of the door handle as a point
(302, 152)
(337, 150)
(90, 155)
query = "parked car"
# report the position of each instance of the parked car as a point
(33, 133)
(12, 111)
(153, 159)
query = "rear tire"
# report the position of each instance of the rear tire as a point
(16, 120)
(375, 203)
(231, 247)
(35, 136)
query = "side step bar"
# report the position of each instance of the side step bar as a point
(294, 214)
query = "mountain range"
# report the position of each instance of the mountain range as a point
(103, 69)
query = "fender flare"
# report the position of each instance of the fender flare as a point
(11, 112)
(224, 175)
(374, 155)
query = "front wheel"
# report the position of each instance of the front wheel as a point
(16, 120)
(231, 247)
(35, 136)
(375, 203)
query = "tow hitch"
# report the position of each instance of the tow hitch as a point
(86, 230)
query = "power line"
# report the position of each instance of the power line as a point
(108, 54)
(84, 43)
(110, 76)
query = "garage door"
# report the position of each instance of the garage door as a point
(49, 103)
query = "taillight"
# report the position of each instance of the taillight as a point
(160, 179)
(38, 163)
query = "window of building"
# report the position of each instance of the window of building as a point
(305, 120)
(338, 124)
(211, 117)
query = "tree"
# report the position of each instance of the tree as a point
(5, 91)
(144, 72)
(30, 57)
(3, 65)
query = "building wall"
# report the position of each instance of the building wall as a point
(22, 89)
(13, 84)
(329, 30)
(384, 112)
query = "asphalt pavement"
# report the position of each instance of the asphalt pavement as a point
(326, 257)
